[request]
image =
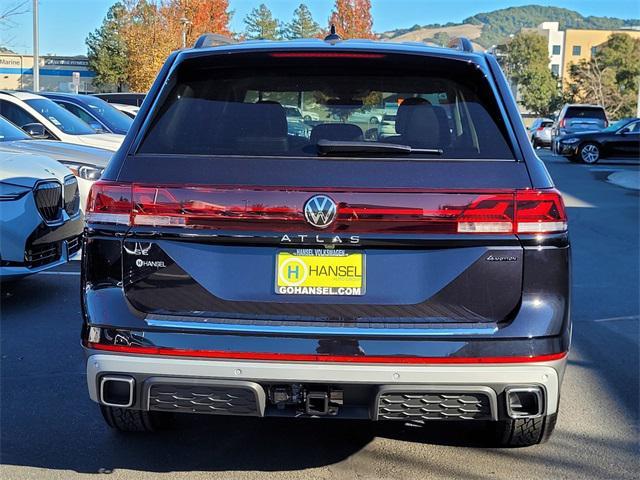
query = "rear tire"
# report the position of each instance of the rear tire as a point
(129, 420)
(524, 432)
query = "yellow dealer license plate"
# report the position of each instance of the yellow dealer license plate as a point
(320, 272)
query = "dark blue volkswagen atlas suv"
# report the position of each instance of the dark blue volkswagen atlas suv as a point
(415, 273)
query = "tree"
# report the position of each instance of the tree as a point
(260, 24)
(204, 16)
(150, 38)
(442, 39)
(526, 63)
(610, 78)
(107, 51)
(352, 18)
(302, 25)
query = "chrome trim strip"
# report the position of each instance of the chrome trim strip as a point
(301, 330)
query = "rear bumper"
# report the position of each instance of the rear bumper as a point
(363, 384)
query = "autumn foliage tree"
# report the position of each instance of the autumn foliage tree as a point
(146, 31)
(352, 18)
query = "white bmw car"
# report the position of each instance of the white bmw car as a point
(40, 217)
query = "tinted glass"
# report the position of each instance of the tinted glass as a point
(585, 112)
(9, 132)
(61, 118)
(16, 114)
(234, 106)
(109, 115)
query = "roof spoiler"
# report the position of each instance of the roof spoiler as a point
(212, 40)
(461, 43)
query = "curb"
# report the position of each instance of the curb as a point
(626, 179)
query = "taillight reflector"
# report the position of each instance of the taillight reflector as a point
(294, 357)
(204, 207)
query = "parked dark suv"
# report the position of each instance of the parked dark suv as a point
(233, 268)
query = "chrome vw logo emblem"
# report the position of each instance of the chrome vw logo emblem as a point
(320, 211)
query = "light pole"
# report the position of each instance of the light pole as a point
(185, 23)
(36, 52)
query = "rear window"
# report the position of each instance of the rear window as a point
(244, 104)
(586, 112)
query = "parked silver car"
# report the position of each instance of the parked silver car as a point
(40, 217)
(86, 163)
(540, 132)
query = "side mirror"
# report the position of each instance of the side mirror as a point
(36, 130)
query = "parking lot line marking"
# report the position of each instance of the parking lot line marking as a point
(58, 273)
(612, 319)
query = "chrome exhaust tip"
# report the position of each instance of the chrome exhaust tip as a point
(524, 402)
(117, 391)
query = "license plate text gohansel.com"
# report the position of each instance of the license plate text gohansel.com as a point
(320, 272)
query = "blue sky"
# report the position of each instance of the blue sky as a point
(64, 24)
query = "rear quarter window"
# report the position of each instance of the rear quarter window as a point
(241, 105)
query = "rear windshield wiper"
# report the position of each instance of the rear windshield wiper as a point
(333, 147)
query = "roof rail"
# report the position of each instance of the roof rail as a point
(212, 40)
(461, 43)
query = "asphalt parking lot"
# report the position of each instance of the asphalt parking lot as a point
(50, 428)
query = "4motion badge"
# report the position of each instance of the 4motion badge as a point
(501, 258)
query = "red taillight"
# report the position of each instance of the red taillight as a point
(109, 202)
(562, 123)
(281, 209)
(488, 214)
(540, 211)
(539, 129)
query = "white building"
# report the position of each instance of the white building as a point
(555, 40)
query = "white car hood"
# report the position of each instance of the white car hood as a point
(25, 169)
(108, 141)
(63, 152)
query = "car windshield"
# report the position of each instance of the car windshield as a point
(109, 115)
(615, 126)
(61, 118)
(9, 132)
(239, 104)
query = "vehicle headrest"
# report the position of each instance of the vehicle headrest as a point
(261, 119)
(403, 111)
(423, 128)
(347, 132)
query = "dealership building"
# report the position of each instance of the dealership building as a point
(56, 73)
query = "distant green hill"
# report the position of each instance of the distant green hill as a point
(499, 24)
